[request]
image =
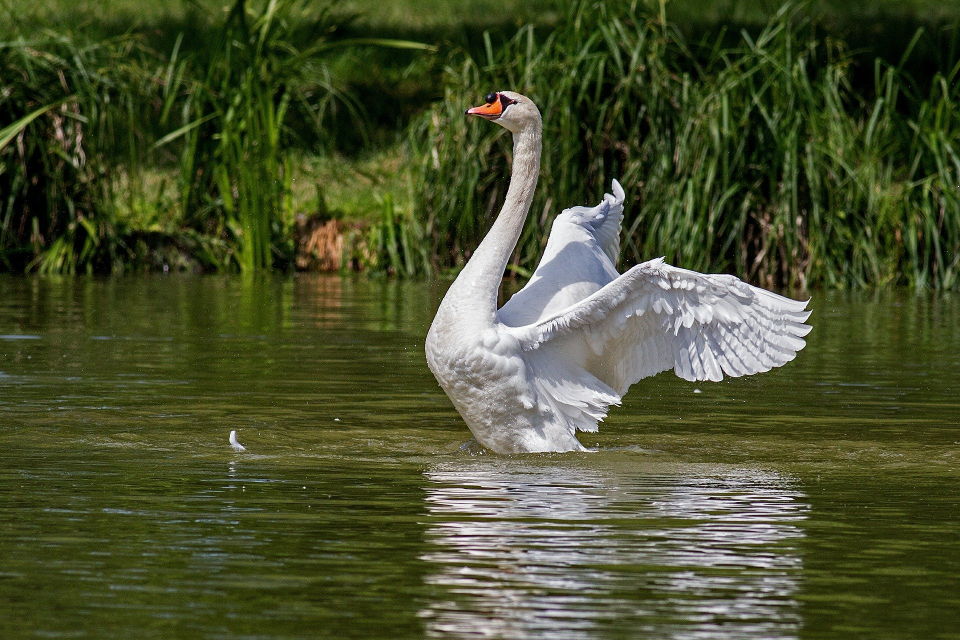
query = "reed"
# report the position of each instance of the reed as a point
(756, 158)
(87, 126)
(236, 164)
(66, 102)
(234, 179)
(772, 153)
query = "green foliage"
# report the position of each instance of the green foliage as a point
(396, 244)
(235, 163)
(66, 101)
(773, 155)
(235, 179)
(756, 158)
(84, 126)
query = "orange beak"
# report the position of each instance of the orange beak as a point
(490, 111)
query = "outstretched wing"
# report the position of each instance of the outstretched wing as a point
(656, 317)
(603, 221)
(580, 258)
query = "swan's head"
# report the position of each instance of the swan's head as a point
(508, 109)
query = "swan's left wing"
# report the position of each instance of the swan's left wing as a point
(580, 258)
(603, 221)
(656, 317)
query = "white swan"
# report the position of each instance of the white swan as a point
(569, 344)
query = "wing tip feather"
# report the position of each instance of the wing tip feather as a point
(618, 192)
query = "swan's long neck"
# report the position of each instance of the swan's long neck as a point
(479, 282)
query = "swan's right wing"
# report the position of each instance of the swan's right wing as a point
(656, 317)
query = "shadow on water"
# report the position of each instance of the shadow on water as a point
(561, 548)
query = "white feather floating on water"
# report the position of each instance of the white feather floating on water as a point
(233, 442)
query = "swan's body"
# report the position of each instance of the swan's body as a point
(569, 344)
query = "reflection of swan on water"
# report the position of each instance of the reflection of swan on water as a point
(568, 552)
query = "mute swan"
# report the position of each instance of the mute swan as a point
(569, 344)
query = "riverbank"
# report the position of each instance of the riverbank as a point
(786, 153)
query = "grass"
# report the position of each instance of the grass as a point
(55, 171)
(220, 125)
(234, 176)
(797, 151)
(351, 187)
(431, 14)
(756, 158)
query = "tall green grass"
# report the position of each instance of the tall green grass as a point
(756, 158)
(232, 174)
(84, 114)
(61, 104)
(219, 111)
(760, 154)
(233, 100)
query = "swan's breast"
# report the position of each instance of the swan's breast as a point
(486, 378)
(464, 362)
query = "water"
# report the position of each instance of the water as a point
(817, 501)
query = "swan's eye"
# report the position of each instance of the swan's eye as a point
(506, 102)
(491, 98)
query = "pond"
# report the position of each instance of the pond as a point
(821, 500)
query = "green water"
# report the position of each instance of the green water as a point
(817, 501)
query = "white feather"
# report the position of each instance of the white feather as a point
(234, 444)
